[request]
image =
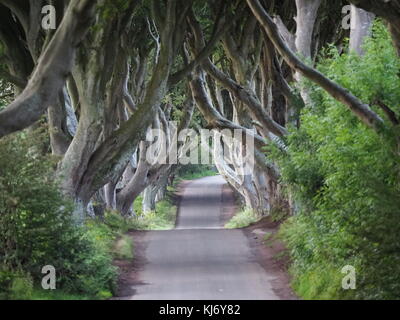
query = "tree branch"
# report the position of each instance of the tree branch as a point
(241, 93)
(361, 110)
(389, 112)
(221, 27)
(54, 66)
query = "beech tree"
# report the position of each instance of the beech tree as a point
(111, 72)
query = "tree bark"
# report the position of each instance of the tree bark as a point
(57, 121)
(50, 74)
(306, 15)
(110, 159)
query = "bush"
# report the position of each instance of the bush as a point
(21, 287)
(242, 219)
(36, 226)
(344, 177)
(124, 248)
(163, 218)
(15, 285)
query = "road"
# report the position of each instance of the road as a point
(200, 260)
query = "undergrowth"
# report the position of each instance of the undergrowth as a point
(344, 179)
(242, 219)
(37, 230)
(162, 218)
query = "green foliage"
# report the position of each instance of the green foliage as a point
(36, 228)
(344, 178)
(138, 206)
(40, 294)
(15, 285)
(242, 219)
(21, 287)
(115, 223)
(124, 248)
(163, 218)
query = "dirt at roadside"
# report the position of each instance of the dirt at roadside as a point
(271, 254)
(129, 269)
(177, 197)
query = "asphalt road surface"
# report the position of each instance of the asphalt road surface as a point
(199, 260)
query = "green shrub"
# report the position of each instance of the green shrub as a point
(138, 206)
(124, 248)
(36, 226)
(116, 223)
(21, 287)
(163, 218)
(344, 177)
(242, 219)
(16, 285)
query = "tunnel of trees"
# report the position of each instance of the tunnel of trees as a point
(315, 83)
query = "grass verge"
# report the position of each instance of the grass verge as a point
(162, 218)
(123, 248)
(242, 219)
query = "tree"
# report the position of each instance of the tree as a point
(112, 70)
(53, 66)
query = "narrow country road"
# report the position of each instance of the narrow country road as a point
(200, 259)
